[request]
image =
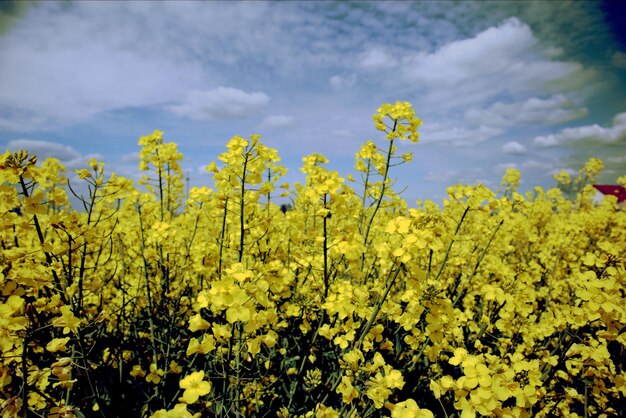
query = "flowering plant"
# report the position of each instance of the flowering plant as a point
(155, 303)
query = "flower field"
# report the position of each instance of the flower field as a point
(153, 302)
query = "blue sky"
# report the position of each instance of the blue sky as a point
(540, 86)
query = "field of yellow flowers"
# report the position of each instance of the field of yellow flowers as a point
(148, 302)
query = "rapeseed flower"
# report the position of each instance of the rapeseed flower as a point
(67, 320)
(410, 409)
(195, 386)
(57, 344)
(155, 374)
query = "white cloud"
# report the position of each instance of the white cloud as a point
(593, 132)
(343, 133)
(222, 102)
(569, 171)
(537, 165)
(278, 121)
(526, 166)
(616, 159)
(514, 148)
(63, 64)
(202, 170)
(457, 135)
(21, 122)
(505, 59)
(67, 65)
(44, 149)
(501, 167)
(131, 157)
(552, 110)
(340, 82)
(462, 176)
(67, 155)
(377, 58)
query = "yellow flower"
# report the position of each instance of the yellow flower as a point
(83, 173)
(201, 347)
(378, 393)
(344, 340)
(155, 374)
(409, 409)
(347, 391)
(379, 386)
(352, 359)
(195, 386)
(179, 411)
(137, 371)
(221, 332)
(197, 323)
(511, 178)
(36, 401)
(474, 374)
(57, 344)
(393, 378)
(67, 320)
(459, 355)
(175, 367)
(403, 123)
(239, 313)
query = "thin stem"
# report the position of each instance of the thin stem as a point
(379, 304)
(383, 187)
(456, 231)
(147, 278)
(238, 370)
(57, 282)
(381, 194)
(242, 203)
(479, 261)
(220, 260)
(325, 249)
(83, 258)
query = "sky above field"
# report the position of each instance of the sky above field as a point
(540, 86)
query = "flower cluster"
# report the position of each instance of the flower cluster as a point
(345, 302)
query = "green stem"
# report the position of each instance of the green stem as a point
(479, 261)
(220, 260)
(147, 279)
(55, 276)
(83, 258)
(325, 250)
(381, 194)
(383, 187)
(242, 207)
(456, 231)
(298, 378)
(238, 370)
(379, 304)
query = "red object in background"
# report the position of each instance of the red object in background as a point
(613, 190)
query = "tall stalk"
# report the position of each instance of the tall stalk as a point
(381, 194)
(325, 248)
(242, 206)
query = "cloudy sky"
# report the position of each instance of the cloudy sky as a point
(540, 86)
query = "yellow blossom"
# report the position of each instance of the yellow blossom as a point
(410, 409)
(195, 386)
(57, 344)
(137, 371)
(67, 320)
(155, 374)
(347, 391)
(197, 323)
